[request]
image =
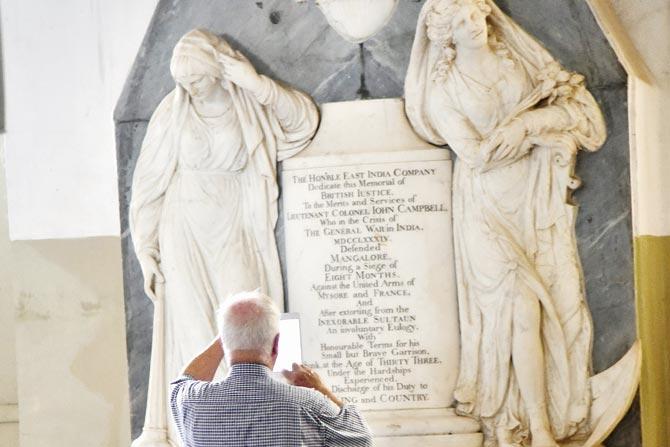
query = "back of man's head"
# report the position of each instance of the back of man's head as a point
(248, 321)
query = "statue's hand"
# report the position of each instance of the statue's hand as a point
(149, 263)
(513, 142)
(238, 70)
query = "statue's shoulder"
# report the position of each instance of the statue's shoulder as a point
(163, 111)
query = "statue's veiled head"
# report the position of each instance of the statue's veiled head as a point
(194, 64)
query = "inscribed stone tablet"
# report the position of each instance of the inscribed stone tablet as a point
(370, 270)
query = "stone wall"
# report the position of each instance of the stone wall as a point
(62, 340)
(61, 169)
(9, 409)
(293, 42)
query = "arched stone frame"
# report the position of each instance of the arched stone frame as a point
(372, 70)
(646, 90)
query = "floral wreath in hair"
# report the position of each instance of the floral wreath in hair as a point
(440, 32)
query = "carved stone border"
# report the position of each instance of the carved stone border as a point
(651, 214)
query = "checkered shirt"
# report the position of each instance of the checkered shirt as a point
(251, 408)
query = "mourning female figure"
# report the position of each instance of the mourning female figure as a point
(515, 120)
(204, 191)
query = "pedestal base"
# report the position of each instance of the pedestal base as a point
(471, 440)
(426, 428)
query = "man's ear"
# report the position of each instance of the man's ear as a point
(275, 345)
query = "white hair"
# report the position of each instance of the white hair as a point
(248, 321)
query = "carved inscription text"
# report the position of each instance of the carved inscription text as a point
(370, 271)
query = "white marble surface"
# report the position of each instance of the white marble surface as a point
(358, 143)
(437, 427)
(352, 127)
(370, 268)
(565, 28)
(435, 440)
(357, 20)
(515, 120)
(204, 201)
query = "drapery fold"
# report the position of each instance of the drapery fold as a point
(513, 225)
(204, 198)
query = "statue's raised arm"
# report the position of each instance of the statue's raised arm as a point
(204, 193)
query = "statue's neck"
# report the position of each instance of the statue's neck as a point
(215, 104)
(472, 59)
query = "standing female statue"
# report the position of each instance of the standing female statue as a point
(515, 120)
(204, 193)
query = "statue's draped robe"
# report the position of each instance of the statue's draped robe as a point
(513, 229)
(204, 196)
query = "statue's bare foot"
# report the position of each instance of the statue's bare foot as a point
(543, 438)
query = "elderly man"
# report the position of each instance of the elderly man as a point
(250, 407)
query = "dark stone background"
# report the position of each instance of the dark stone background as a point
(293, 42)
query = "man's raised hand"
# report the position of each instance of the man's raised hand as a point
(304, 376)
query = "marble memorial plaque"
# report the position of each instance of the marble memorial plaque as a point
(371, 272)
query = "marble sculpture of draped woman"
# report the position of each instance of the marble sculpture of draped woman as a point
(204, 191)
(515, 120)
